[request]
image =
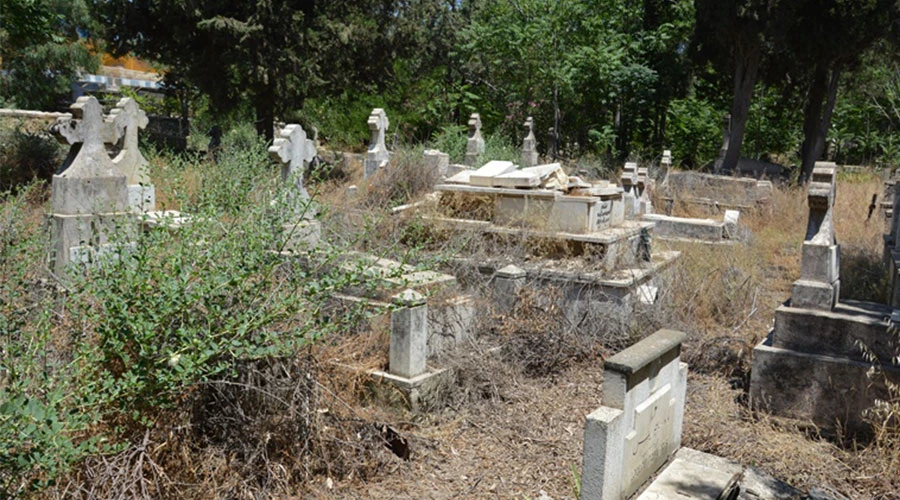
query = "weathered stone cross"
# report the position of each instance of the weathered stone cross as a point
(294, 151)
(378, 124)
(475, 143)
(88, 128)
(128, 119)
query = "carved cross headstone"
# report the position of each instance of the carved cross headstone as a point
(294, 151)
(475, 143)
(529, 145)
(129, 119)
(378, 154)
(87, 131)
(631, 197)
(819, 283)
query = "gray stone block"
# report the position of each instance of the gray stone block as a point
(820, 263)
(838, 332)
(88, 195)
(409, 335)
(826, 390)
(807, 294)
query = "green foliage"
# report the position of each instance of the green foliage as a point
(88, 364)
(41, 51)
(25, 156)
(693, 131)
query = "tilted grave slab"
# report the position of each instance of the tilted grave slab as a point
(692, 229)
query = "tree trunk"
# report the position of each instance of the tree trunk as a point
(745, 73)
(820, 103)
(264, 104)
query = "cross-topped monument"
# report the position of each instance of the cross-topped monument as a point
(819, 283)
(378, 155)
(89, 196)
(529, 145)
(475, 143)
(87, 128)
(129, 119)
(294, 150)
(629, 182)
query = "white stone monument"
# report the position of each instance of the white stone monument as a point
(90, 194)
(631, 195)
(129, 119)
(437, 162)
(638, 428)
(529, 145)
(475, 143)
(377, 157)
(294, 151)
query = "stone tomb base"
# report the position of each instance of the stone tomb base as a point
(811, 367)
(425, 392)
(85, 238)
(682, 228)
(613, 248)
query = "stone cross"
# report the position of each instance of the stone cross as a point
(475, 143)
(819, 283)
(378, 154)
(529, 145)
(88, 128)
(129, 119)
(294, 151)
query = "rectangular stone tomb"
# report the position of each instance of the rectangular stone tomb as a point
(812, 366)
(717, 191)
(686, 228)
(637, 430)
(549, 210)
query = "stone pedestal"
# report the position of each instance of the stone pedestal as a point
(409, 335)
(142, 198)
(507, 283)
(812, 367)
(437, 162)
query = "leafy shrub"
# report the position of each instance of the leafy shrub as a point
(694, 131)
(26, 156)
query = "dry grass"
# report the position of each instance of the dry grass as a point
(514, 423)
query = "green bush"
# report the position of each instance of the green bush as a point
(694, 131)
(26, 156)
(93, 362)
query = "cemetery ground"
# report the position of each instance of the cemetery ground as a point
(294, 422)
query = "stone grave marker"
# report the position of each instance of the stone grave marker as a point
(294, 151)
(638, 428)
(129, 119)
(819, 283)
(89, 195)
(475, 143)
(484, 176)
(437, 161)
(529, 145)
(378, 155)
(629, 182)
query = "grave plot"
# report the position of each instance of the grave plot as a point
(560, 220)
(714, 193)
(815, 363)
